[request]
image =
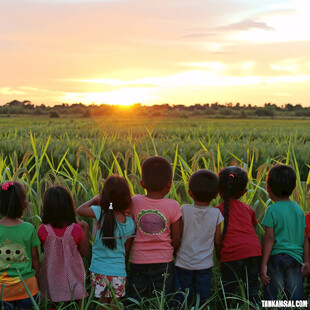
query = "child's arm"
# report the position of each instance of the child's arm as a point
(306, 266)
(176, 233)
(218, 241)
(267, 248)
(83, 246)
(128, 245)
(85, 208)
(35, 261)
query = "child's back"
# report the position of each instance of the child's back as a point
(241, 240)
(154, 218)
(196, 250)
(285, 244)
(62, 272)
(158, 221)
(202, 230)
(18, 249)
(241, 249)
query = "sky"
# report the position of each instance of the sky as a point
(155, 51)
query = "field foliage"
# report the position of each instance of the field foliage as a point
(81, 153)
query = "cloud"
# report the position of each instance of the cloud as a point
(10, 91)
(247, 24)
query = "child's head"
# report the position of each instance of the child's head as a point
(203, 185)
(58, 207)
(115, 196)
(156, 173)
(12, 200)
(233, 182)
(281, 180)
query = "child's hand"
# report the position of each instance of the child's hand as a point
(305, 269)
(263, 275)
(83, 224)
(219, 264)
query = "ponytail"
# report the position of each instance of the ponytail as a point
(108, 225)
(226, 203)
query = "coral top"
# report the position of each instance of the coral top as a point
(153, 218)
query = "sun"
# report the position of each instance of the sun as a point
(123, 98)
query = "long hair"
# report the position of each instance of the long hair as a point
(58, 207)
(233, 182)
(115, 193)
(12, 199)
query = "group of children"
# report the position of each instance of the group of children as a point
(171, 247)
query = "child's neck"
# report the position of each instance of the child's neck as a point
(155, 195)
(202, 203)
(6, 221)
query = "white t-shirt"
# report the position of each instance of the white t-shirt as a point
(196, 250)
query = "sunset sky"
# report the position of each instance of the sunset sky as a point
(155, 51)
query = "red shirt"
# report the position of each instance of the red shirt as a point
(240, 240)
(77, 233)
(308, 224)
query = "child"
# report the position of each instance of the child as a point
(159, 231)
(18, 249)
(111, 246)
(202, 230)
(241, 249)
(64, 241)
(285, 244)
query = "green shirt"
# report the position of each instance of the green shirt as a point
(288, 222)
(15, 249)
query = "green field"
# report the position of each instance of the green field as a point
(80, 153)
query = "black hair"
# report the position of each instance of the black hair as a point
(233, 182)
(58, 207)
(156, 173)
(281, 180)
(12, 199)
(204, 185)
(116, 191)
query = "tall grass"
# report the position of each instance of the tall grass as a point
(81, 155)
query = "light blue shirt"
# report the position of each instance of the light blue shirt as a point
(106, 261)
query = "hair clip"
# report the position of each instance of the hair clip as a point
(111, 206)
(232, 175)
(6, 185)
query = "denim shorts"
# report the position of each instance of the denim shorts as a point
(285, 278)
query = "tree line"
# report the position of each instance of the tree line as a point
(228, 110)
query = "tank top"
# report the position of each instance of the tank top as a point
(62, 272)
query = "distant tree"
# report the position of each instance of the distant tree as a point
(54, 114)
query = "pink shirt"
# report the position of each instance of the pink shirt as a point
(77, 232)
(153, 218)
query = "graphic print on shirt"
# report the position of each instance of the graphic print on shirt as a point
(12, 253)
(151, 222)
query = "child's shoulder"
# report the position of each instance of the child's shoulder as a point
(137, 199)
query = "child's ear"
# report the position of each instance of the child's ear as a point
(169, 185)
(142, 184)
(244, 192)
(190, 193)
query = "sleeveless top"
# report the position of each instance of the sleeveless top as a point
(62, 272)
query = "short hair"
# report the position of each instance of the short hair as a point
(156, 173)
(58, 207)
(281, 179)
(12, 200)
(204, 185)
